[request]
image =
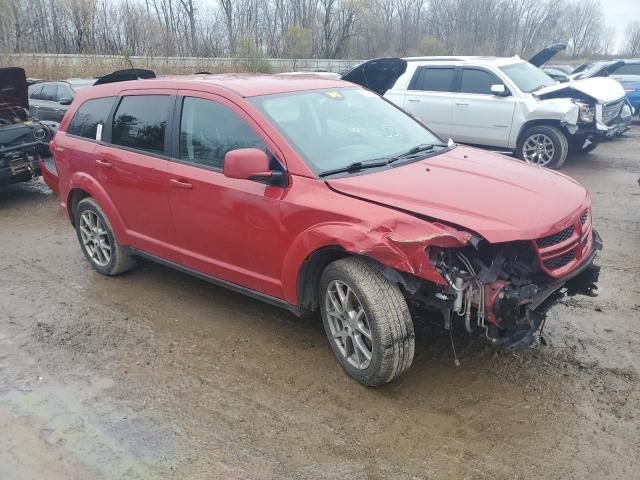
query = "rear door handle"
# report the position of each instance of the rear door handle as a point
(414, 100)
(103, 163)
(462, 104)
(181, 184)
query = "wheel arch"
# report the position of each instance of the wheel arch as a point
(311, 270)
(83, 186)
(537, 123)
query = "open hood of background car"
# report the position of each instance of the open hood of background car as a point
(603, 90)
(499, 198)
(546, 54)
(600, 69)
(379, 74)
(13, 88)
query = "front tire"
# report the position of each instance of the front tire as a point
(98, 241)
(543, 145)
(367, 321)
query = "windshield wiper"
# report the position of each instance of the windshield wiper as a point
(423, 147)
(356, 167)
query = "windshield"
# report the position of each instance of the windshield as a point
(527, 77)
(332, 129)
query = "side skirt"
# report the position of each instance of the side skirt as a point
(219, 282)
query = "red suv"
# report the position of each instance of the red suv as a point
(315, 194)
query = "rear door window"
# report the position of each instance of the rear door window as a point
(208, 130)
(49, 93)
(477, 81)
(140, 122)
(433, 79)
(91, 114)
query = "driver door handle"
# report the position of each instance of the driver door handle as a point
(103, 163)
(181, 184)
(462, 104)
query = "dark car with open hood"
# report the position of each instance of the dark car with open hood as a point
(23, 140)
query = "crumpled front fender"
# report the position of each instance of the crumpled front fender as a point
(401, 246)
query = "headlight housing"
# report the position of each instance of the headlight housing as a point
(587, 112)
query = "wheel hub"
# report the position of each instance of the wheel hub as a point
(95, 238)
(348, 325)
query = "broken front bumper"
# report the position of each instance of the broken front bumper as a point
(582, 280)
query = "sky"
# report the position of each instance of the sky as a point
(618, 13)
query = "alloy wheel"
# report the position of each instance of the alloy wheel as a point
(95, 238)
(538, 149)
(349, 325)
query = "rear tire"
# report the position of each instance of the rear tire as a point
(98, 241)
(368, 325)
(543, 145)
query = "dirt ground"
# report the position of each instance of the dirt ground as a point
(157, 375)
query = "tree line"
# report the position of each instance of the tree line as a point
(307, 28)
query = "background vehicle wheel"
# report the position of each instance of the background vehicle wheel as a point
(367, 321)
(543, 145)
(580, 145)
(98, 242)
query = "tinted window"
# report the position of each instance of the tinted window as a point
(140, 122)
(434, 79)
(477, 81)
(49, 93)
(628, 69)
(89, 115)
(36, 93)
(208, 130)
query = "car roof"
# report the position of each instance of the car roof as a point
(244, 85)
(482, 60)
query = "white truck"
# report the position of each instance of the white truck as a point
(501, 103)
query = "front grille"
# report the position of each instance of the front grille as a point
(611, 110)
(556, 238)
(561, 260)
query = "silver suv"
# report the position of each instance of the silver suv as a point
(503, 103)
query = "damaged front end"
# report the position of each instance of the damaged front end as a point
(23, 140)
(602, 109)
(506, 289)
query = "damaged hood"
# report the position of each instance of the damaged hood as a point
(603, 90)
(497, 197)
(13, 88)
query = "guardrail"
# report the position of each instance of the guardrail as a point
(47, 65)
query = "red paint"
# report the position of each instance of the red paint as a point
(259, 236)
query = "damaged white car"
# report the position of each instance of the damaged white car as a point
(502, 103)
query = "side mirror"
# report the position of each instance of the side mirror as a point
(500, 90)
(66, 101)
(251, 164)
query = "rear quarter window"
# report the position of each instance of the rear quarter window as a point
(90, 114)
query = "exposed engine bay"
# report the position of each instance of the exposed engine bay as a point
(504, 290)
(23, 140)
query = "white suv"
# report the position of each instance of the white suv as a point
(503, 103)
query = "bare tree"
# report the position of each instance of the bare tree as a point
(632, 39)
